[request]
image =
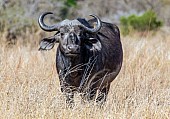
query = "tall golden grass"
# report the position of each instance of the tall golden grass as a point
(29, 87)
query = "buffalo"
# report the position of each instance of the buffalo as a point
(89, 56)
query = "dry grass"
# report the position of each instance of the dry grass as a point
(29, 87)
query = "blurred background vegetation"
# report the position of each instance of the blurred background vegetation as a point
(18, 19)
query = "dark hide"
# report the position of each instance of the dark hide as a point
(94, 68)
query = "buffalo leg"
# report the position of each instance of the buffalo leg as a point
(88, 95)
(91, 94)
(103, 92)
(68, 91)
(69, 97)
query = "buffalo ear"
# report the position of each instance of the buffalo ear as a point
(47, 43)
(94, 44)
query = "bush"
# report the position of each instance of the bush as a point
(14, 25)
(147, 21)
(66, 9)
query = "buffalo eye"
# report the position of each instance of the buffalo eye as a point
(61, 34)
(85, 36)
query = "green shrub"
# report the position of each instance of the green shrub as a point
(66, 9)
(147, 21)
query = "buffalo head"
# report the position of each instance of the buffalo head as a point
(71, 35)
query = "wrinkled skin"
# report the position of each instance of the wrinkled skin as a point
(86, 62)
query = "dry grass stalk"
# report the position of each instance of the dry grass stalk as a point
(29, 87)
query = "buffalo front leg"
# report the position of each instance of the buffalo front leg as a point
(89, 95)
(68, 92)
(69, 97)
(102, 94)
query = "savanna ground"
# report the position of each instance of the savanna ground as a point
(29, 87)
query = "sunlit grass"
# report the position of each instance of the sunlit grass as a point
(29, 87)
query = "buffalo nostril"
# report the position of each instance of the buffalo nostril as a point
(72, 48)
